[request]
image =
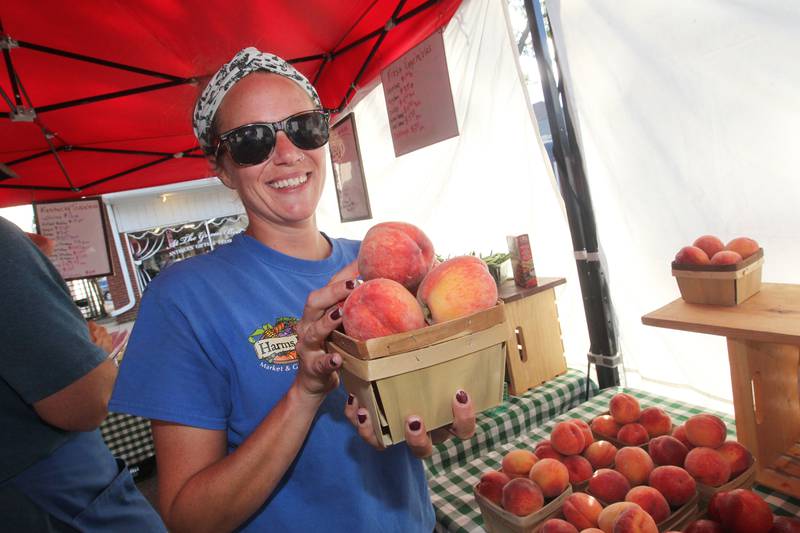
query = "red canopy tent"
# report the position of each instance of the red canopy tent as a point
(96, 97)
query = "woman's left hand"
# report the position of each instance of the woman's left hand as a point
(419, 440)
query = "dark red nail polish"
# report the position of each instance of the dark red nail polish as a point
(350, 284)
(414, 425)
(362, 419)
(350, 399)
(333, 363)
(461, 397)
(336, 314)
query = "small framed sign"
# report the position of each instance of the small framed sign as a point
(348, 171)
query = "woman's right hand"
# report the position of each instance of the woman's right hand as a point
(322, 314)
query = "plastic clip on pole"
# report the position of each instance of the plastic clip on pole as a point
(606, 361)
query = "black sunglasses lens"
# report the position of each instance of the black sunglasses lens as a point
(309, 130)
(251, 145)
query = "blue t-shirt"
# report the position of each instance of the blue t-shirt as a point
(213, 347)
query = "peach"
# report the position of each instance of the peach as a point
(713, 505)
(591, 530)
(666, 450)
(567, 438)
(710, 244)
(609, 514)
(652, 501)
(518, 463)
(457, 287)
(656, 421)
(521, 496)
(397, 251)
(674, 483)
(588, 438)
(725, 257)
(691, 255)
(785, 524)
(578, 467)
(743, 511)
(551, 476)
(556, 525)
(744, 246)
(680, 434)
(635, 520)
(491, 485)
(544, 450)
(704, 526)
(581, 510)
(605, 426)
(632, 434)
(707, 466)
(624, 408)
(381, 307)
(600, 454)
(736, 455)
(706, 430)
(633, 463)
(609, 485)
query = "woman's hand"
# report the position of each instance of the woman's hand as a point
(417, 437)
(322, 314)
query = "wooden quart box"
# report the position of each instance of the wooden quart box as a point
(418, 372)
(720, 284)
(498, 520)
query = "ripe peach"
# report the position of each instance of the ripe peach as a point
(591, 530)
(744, 246)
(706, 430)
(704, 526)
(743, 511)
(396, 251)
(666, 450)
(521, 496)
(691, 255)
(600, 454)
(652, 501)
(556, 525)
(726, 257)
(656, 421)
(632, 434)
(551, 476)
(624, 408)
(381, 307)
(609, 485)
(588, 438)
(709, 244)
(578, 467)
(567, 438)
(633, 463)
(609, 514)
(785, 524)
(674, 483)
(491, 485)
(713, 505)
(736, 455)
(707, 466)
(544, 450)
(680, 434)
(457, 287)
(606, 426)
(635, 520)
(581, 510)
(518, 463)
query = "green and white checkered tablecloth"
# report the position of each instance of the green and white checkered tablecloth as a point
(451, 489)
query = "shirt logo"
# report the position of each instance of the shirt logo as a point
(276, 344)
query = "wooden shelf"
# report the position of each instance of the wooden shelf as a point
(509, 291)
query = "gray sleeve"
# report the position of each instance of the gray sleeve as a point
(44, 340)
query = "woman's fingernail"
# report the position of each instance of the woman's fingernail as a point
(350, 284)
(350, 399)
(334, 362)
(414, 425)
(461, 397)
(336, 314)
(362, 416)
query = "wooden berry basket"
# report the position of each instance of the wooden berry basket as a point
(418, 372)
(744, 480)
(498, 520)
(720, 284)
(677, 520)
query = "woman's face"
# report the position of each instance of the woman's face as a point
(286, 188)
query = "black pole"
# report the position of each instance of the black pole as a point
(598, 310)
(116, 94)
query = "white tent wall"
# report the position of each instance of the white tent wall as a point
(469, 192)
(688, 114)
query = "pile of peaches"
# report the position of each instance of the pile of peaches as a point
(709, 250)
(404, 289)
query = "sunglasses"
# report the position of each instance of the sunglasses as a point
(252, 144)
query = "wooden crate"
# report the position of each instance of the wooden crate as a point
(498, 520)
(418, 372)
(720, 284)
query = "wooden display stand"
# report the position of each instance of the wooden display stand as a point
(535, 353)
(764, 350)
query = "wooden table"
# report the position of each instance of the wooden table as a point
(535, 352)
(764, 350)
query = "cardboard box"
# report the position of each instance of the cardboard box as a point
(419, 371)
(519, 247)
(720, 284)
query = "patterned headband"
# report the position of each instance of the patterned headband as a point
(245, 62)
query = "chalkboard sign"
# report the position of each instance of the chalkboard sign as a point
(79, 232)
(419, 100)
